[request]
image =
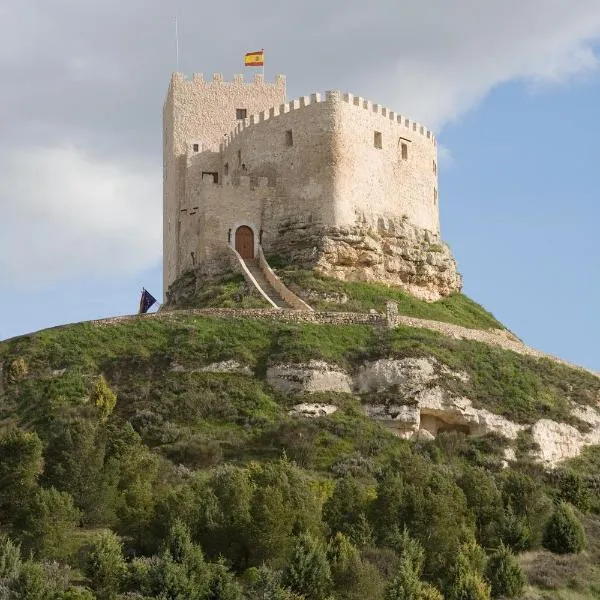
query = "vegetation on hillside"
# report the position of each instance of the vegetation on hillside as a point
(326, 293)
(126, 471)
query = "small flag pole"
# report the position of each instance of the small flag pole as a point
(177, 42)
(263, 65)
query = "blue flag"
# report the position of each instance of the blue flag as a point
(146, 301)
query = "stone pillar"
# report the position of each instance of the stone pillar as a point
(391, 314)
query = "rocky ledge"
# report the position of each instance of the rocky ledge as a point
(409, 397)
(395, 253)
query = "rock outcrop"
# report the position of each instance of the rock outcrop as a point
(395, 253)
(406, 395)
(316, 376)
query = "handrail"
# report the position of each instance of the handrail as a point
(250, 278)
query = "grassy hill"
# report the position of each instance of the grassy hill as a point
(216, 491)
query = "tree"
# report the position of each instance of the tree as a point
(49, 523)
(223, 585)
(308, 572)
(407, 584)
(528, 503)
(468, 582)
(10, 559)
(574, 489)
(484, 499)
(103, 398)
(75, 458)
(504, 573)
(345, 511)
(32, 583)
(105, 566)
(21, 463)
(564, 533)
(266, 585)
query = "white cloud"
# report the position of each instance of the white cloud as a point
(66, 215)
(74, 72)
(446, 66)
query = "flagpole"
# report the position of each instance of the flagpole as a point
(177, 42)
(263, 69)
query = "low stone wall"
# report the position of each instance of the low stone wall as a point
(278, 285)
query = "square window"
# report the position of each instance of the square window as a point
(377, 140)
(210, 176)
(404, 151)
(240, 113)
(289, 138)
(196, 147)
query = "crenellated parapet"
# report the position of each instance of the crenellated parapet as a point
(197, 80)
(330, 96)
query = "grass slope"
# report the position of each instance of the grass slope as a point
(325, 293)
(198, 419)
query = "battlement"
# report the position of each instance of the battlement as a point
(197, 80)
(401, 120)
(329, 96)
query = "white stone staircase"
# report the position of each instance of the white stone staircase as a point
(265, 286)
(261, 277)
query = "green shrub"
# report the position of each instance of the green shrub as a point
(105, 565)
(504, 573)
(308, 572)
(103, 398)
(564, 533)
(10, 559)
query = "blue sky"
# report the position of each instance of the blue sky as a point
(514, 99)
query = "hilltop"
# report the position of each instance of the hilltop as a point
(279, 454)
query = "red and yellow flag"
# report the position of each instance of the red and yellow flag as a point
(254, 59)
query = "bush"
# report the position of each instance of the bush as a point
(504, 573)
(103, 398)
(564, 533)
(105, 565)
(10, 559)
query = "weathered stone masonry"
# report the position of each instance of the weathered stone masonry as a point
(329, 181)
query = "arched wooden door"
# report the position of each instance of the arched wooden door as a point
(244, 241)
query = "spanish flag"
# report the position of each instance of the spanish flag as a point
(254, 59)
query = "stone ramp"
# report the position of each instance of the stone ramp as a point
(265, 286)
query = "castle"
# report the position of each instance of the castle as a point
(329, 181)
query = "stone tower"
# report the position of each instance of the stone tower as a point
(197, 117)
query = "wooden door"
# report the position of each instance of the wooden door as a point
(244, 241)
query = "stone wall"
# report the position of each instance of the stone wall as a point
(373, 179)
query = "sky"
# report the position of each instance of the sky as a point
(511, 88)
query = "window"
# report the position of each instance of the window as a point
(289, 138)
(435, 198)
(240, 113)
(239, 155)
(196, 147)
(434, 167)
(210, 175)
(377, 141)
(404, 149)
(226, 169)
